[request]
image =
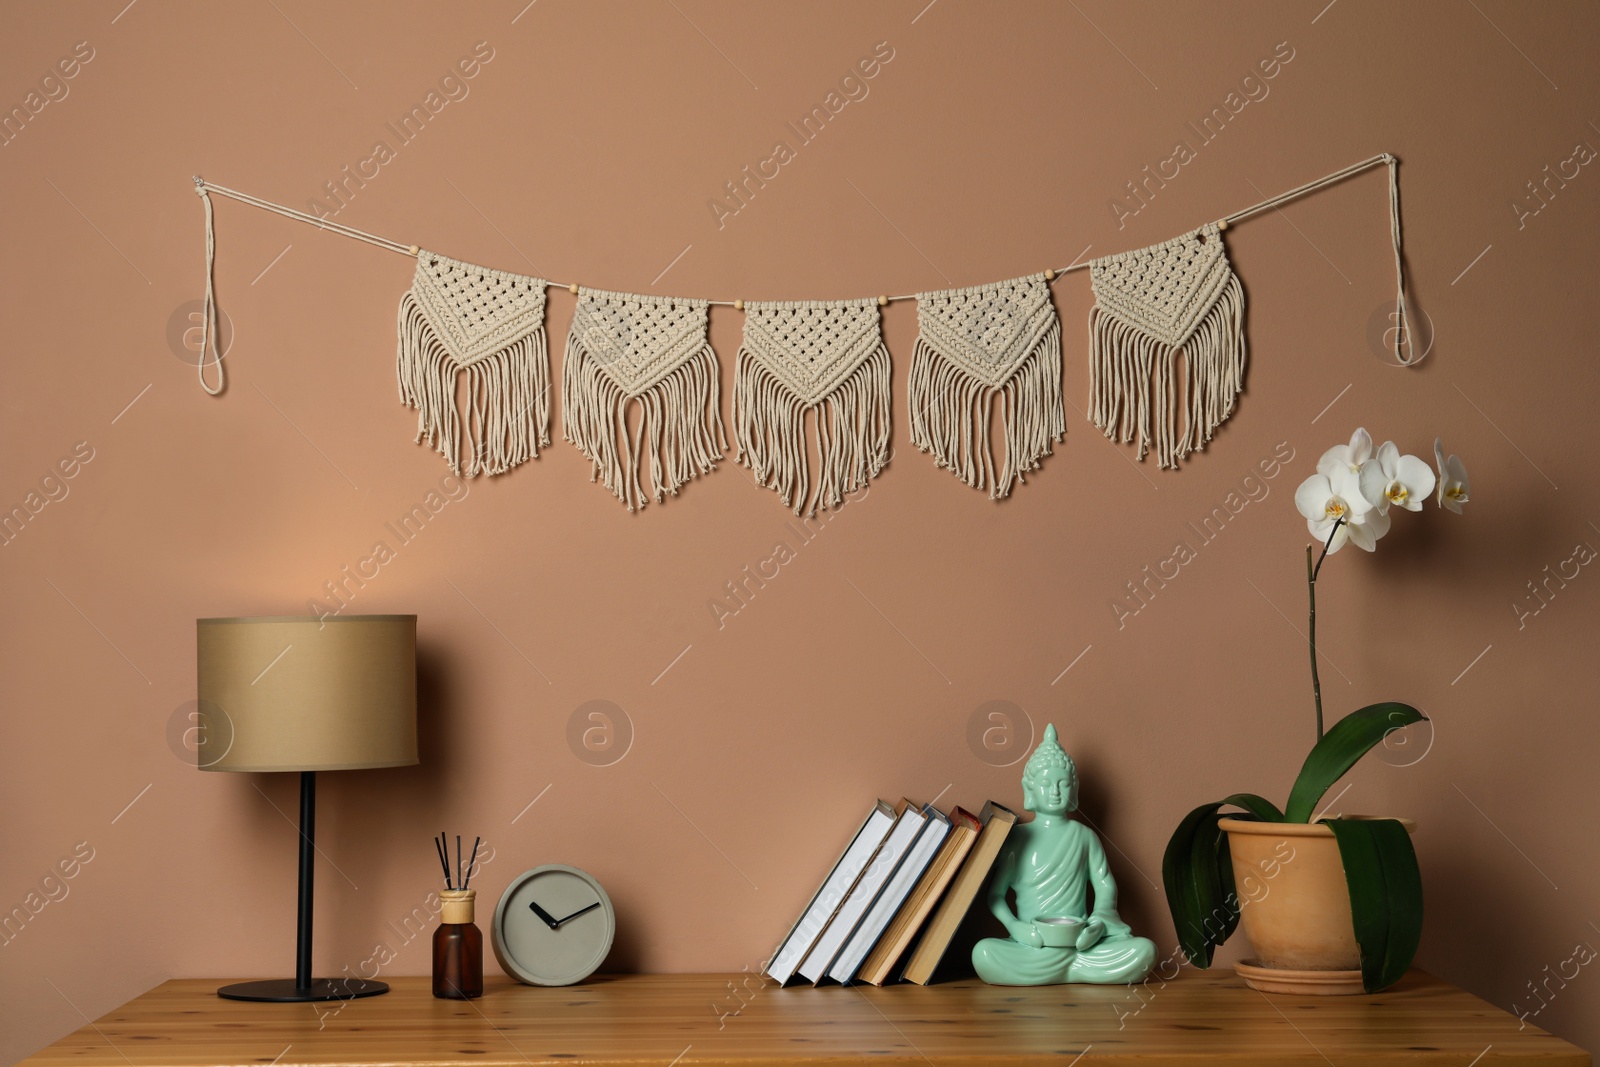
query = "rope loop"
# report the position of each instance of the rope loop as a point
(1402, 337)
(208, 327)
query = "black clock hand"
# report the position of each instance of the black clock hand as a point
(549, 920)
(580, 911)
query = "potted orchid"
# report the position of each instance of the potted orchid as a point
(1329, 905)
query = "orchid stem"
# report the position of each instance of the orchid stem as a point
(1311, 587)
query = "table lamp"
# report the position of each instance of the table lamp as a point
(299, 693)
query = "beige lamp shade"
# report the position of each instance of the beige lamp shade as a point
(295, 693)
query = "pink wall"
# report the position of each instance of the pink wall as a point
(587, 149)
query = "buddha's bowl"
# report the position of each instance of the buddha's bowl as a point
(1059, 932)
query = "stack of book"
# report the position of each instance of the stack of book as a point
(896, 896)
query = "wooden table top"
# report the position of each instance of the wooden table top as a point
(1201, 1017)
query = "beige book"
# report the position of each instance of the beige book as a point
(997, 823)
(964, 829)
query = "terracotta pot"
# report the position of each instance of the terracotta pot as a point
(1294, 907)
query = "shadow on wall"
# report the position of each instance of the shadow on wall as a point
(414, 798)
(1141, 905)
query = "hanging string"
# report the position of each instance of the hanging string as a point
(291, 213)
(1401, 320)
(1309, 187)
(1402, 335)
(208, 328)
(1404, 346)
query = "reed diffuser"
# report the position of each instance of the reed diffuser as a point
(457, 944)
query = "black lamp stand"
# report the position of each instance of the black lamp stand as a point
(303, 987)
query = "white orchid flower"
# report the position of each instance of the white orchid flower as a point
(1329, 500)
(1365, 532)
(1452, 479)
(1348, 457)
(1391, 478)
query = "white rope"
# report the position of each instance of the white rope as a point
(1238, 216)
(1310, 187)
(291, 213)
(1401, 318)
(208, 326)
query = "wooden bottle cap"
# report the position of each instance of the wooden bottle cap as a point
(457, 905)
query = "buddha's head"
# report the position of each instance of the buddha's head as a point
(1050, 781)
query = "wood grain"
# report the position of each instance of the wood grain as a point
(1197, 1018)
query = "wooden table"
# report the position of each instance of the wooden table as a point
(1201, 1017)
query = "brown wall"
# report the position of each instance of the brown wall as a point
(989, 146)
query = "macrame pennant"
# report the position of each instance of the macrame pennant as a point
(801, 355)
(460, 321)
(624, 348)
(1152, 305)
(1166, 340)
(973, 345)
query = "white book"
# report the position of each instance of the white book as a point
(844, 922)
(893, 896)
(803, 934)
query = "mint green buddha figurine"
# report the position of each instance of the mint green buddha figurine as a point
(1052, 863)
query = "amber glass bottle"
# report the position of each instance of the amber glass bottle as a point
(457, 948)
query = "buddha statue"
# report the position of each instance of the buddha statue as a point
(1052, 864)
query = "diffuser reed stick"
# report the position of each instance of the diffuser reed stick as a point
(463, 875)
(444, 864)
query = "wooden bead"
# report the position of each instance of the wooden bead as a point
(1223, 225)
(414, 250)
(883, 301)
(1050, 275)
(573, 288)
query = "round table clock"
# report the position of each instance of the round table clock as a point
(553, 926)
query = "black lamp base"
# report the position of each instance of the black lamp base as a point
(302, 987)
(287, 991)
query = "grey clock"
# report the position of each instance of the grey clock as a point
(553, 926)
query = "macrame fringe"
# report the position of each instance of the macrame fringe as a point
(852, 431)
(506, 395)
(951, 413)
(680, 424)
(1137, 391)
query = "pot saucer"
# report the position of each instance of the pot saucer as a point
(1300, 983)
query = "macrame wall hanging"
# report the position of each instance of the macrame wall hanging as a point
(1154, 307)
(624, 348)
(1002, 342)
(806, 356)
(640, 381)
(466, 325)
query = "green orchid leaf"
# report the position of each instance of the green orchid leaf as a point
(1197, 869)
(1260, 807)
(1214, 860)
(1345, 742)
(1189, 872)
(1380, 869)
(1224, 918)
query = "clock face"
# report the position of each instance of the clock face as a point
(553, 926)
